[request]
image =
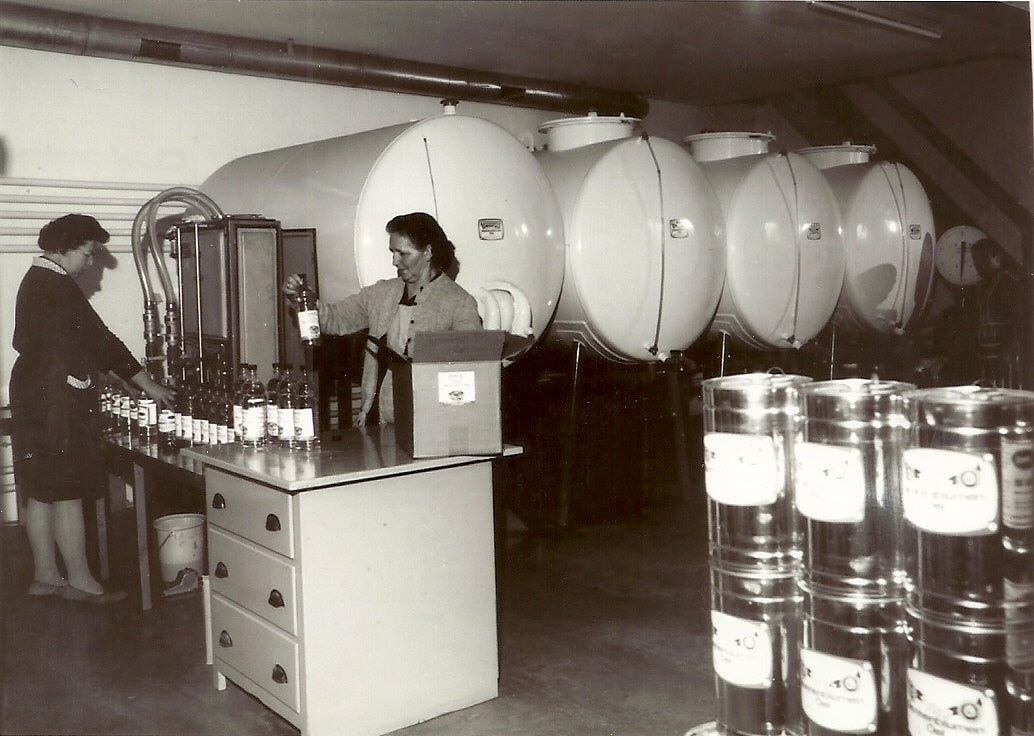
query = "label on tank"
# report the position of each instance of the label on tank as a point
(813, 231)
(680, 227)
(1017, 483)
(947, 492)
(742, 469)
(742, 650)
(829, 484)
(838, 693)
(939, 706)
(915, 231)
(490, 228)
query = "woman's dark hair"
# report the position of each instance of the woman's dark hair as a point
(424, 232)
(69, 232)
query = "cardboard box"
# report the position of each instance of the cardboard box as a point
(447, 394)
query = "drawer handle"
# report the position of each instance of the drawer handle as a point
(221, 571)
(218, 502)
(224, 639)
(272, 523)
(276, 599)
(279, 676)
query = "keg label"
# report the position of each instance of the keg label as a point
(838, 693)
(829, 482)
(939, 706)
(947, 492)
(742, 469)
(742, 651)
(681, 227)
(1017, 483)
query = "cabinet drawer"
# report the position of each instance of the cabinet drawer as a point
(247, 508)
(258, 580)
(260, 652)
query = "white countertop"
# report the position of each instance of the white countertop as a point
(352, 455)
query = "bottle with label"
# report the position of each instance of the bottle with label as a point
(308, 313)
(305, 437)
(285, 407)
(253, 410)
(238, 401)
(272, 405)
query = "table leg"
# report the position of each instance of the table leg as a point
(140, 499)
(100, 510)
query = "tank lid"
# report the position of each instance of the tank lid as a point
(567, 133)
(729, 144)
(825, 157)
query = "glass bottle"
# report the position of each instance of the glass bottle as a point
(285, 407)
(272, 405)
(308, 313)
(253, 410)
(238, 401)
(305, 437)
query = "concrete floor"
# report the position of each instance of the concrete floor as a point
(604, 629)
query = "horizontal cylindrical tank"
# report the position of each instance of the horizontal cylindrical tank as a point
(888, 237)
(645, 253)
(784, 241)
(484, 187)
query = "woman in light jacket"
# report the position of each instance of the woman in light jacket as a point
(422, 298)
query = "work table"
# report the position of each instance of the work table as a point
(352, 588)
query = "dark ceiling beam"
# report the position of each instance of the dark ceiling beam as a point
(27, 26)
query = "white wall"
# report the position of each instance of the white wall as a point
(67, 117)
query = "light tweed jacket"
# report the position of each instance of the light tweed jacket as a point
(440, 306)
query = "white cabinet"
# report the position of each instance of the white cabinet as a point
(359, 604)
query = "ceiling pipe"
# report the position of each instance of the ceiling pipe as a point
(41, 29)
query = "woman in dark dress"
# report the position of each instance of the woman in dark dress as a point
(63, 347)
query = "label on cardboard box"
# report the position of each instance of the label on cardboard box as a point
(456, 387)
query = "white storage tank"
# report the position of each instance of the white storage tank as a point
(888, 235)
(645, 252)
(784, 241)
(485, 188)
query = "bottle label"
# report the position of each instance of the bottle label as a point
(195, 430)
(186, 427)
(742, 469)
(285, 418)
(1017, 483)
(166, 422)
(238, 414)
(939, 706)
(947, 492)
(272, 420)
(304, 428)
(838, 693)
(253, 422)
(829, 483)
(309, 324)
(742, 651)
(222, 434)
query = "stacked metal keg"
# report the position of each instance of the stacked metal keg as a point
(754, 554)
(847, 496)
(969, 502)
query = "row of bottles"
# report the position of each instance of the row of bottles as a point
(220, 410)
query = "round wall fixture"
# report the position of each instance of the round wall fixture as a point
(954, 256)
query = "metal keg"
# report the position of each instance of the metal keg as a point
(847, 488)
(969, 500)
(847, 495)
(749, 423)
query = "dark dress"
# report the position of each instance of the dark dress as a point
(62, 346)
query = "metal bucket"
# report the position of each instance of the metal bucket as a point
(749, 422)
(755, 623)
(854, 657)
(847, 487)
